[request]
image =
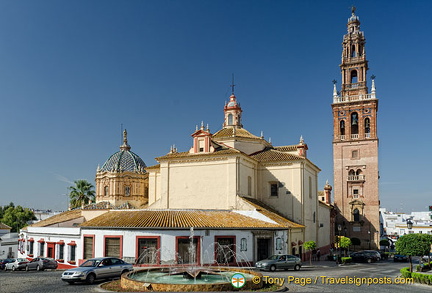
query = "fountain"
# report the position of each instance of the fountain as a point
(190, 276)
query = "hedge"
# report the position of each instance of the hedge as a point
(417, 277)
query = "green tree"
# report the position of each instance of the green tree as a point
(342, 242)
(81, 194)
(384, 242)
(414, 245)
(310, 245)
(17, 217)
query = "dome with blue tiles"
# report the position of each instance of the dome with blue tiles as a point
(124, 160)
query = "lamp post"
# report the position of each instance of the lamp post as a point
(339, 227)
(369, 232)
(409, 224)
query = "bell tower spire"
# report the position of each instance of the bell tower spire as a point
(232, 111)
(355, 142)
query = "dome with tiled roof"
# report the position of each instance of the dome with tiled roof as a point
(124, 160)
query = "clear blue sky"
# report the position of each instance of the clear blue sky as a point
(71, 72)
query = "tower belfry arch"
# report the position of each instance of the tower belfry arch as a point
(355, 142)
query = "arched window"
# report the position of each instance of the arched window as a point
(367, 125)
(358, 172)
(356, 215)
(351, 172)
(106, 191)
(353, 51)
(342, 127)
(354, 123)
(354, 76)
(230, 119)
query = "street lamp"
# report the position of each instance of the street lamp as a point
(409, 224)
(339, 227)
(369, 232)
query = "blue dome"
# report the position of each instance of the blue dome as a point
(124, 161)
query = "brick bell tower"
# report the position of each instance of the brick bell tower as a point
(355, 144)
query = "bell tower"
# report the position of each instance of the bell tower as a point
(355, 143)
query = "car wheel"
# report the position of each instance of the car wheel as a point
(90, 279)
(71, 282)
(369, 260)
(273, 268)
(124, 271)
(38, 268)
(297, 268)
(13, 268)
(27, 268)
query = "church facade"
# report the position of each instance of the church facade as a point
(355, 144)
(233, 195)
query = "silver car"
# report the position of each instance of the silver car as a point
(281, 261)
(95, 269)
(17, 264)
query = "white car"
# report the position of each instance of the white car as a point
(95, 269)
(17, 264)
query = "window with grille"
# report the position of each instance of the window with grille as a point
(88, 247)
(112, 247)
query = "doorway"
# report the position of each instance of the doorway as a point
(51, 249)
(263, 248)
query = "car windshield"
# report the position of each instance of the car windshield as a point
(91, 263)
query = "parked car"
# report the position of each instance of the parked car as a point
(95, 269)
(3, 262)
(400, 257)
(374, 252)
(281, 261)
(41, 263)
(16, 264)
(363, 256)
(426, 257)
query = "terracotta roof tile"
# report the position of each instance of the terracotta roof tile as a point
(286, 148)
(177, 219)
(272, 213)
(187, 154)
(59, 218)
(4, 226)
(239, 132)
(271, 155)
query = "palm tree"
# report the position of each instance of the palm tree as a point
(82, 193)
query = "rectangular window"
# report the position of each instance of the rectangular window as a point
(354, 154)
(30, 247)
(88, 247)
(61, 251)
(72, 254)
(310, 187)
(112, 246)
(243, 244)
(41, 248)
(148, 250)
(249, 186)
(225, 249)
(274, 189)
(355, 193)
(127, 191)
(187, 252)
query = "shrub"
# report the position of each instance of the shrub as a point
(346, 259)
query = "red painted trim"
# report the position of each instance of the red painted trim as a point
(113, 236)
(61, 242)
(31, 240)
(93, 245)
(198, 248)
(72, 243)
(234, 248)
(41, 240)
(137, 253)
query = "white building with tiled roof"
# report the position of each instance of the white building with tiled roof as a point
(234, 195)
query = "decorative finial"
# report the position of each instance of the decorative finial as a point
(202, 124)
(232, 84)
(301, 139)
(373, 77)
(353, 9)
(125, 145)
(262, 134)
(207, 127)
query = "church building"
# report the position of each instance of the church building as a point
(355, 144)
(234, 195)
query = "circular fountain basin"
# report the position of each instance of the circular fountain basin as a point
(183, 279)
